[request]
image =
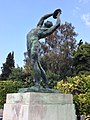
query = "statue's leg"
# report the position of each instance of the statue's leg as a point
(37, 73)
(43, 75)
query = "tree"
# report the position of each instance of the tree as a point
(7, 66)
(57, 51)
(81, 59)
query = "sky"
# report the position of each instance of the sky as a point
(18, 17)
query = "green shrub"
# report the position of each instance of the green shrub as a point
(79, 86)
(9, 87)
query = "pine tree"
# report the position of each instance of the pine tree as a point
(7, 66)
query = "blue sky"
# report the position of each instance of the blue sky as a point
(18, 17)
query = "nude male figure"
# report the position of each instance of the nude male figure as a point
(33, 46)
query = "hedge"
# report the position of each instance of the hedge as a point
(9, 87)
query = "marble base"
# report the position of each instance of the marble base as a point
(39, 106)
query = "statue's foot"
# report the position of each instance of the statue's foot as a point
(37, 86)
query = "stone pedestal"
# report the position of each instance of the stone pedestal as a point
(39, 106)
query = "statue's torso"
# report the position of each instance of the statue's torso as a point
(33, 36)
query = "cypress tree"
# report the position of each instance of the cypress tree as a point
(7, 66)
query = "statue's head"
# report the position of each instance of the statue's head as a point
(48, 24)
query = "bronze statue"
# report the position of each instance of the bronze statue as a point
(33, 45)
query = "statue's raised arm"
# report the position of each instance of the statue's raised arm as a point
(40, 23)
(51, 28)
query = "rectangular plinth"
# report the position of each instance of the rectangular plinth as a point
(39, 98)
(39, 106)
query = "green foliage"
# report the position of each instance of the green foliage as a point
(79, 86)
(17, 74)
(81, 59)
(52, 79)
(28, 70)
(22, 74)
(7, 66)
(9, 87)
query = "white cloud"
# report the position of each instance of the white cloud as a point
(77, 8)
(76, 11)
(84, 1)
(86, 18)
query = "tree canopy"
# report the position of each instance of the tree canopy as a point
(81, 59)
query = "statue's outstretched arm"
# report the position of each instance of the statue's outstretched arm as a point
(52, 29)
(40, 23)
